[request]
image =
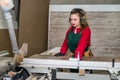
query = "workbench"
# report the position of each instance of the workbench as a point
(104, 68)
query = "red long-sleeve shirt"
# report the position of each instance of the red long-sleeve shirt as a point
(82, 44)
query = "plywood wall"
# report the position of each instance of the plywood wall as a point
(33, 25)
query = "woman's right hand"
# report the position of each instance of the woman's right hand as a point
(59, 54)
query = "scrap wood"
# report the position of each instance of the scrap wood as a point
(37, 77)
(18, 57)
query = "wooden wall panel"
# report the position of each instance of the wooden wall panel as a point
(84, 2)
(33, 25)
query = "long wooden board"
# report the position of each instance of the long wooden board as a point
(104, 59)
(49, 54)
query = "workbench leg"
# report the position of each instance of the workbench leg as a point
(113, 76)
(53, 74)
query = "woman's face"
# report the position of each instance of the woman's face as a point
(75, 20)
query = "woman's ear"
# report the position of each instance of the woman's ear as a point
(83, 21)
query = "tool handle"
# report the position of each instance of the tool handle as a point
(113, 62)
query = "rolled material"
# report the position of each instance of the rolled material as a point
(12, 35)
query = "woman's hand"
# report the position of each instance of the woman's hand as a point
(59, 54)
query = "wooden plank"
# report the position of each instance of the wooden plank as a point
(102, 59)
(108, 59)
(31, 77)
(50, 55)
(37, 77)
(38, 56)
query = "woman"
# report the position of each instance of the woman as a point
(78, 36)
